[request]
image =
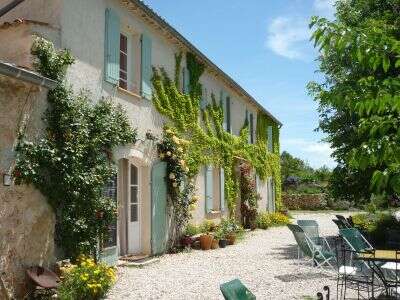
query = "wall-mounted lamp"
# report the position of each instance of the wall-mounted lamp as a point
(7, 179)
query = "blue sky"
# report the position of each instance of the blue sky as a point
(264, 46)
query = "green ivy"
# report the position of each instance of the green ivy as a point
(72, 163)
(209, 143)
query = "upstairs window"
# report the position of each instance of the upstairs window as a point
(123, 62)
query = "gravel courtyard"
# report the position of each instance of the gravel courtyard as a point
(265, 261)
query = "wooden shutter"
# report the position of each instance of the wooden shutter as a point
(185, 81)
(208, 176)
(228, 113)
(251, 128)
(222, 103)
(146, 71)
(269, 139)
(111, 59)
(222, 189)
(204, 97)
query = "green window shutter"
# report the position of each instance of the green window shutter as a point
(204, 97)
(222, 189)
(228, 114)
(222, 103)
(185, 81)
(270, 139)
(146, 68)
(111, 53)
(208, 188)
(251, 128)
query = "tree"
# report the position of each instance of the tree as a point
(359, 100)
(293, 166)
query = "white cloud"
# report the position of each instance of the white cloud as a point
(316, 154)
(324, 8)
(287, 37)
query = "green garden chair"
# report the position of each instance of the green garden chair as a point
(355, 240)
(311, 229)
(318, 255)
(236, 290)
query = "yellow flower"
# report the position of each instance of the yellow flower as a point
(169, 153)
(162, 155)
(182, 162)
(180, 149)
(96, 272)
(176, 140)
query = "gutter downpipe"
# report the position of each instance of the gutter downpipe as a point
(10, 6)
(6, 69)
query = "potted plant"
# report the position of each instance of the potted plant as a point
(206, 241)
(214, 243)
(220, 237)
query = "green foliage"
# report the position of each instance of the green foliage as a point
(248, 196)
(209, 143)
(230, 227)
(207, 226)
(359, 101)
(72, 163)
(191, 230)
(86, 281)
(266, 220)
(376, 225)
(181, 188)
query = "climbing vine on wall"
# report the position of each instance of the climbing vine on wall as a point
(72, 163)
(209, 143)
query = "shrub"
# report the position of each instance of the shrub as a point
(191, 230)
(230, 226)
(207, 226)
(266, 220)
(375, 226)
(263, 221)
(86, 280)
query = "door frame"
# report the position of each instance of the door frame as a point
(128, 204)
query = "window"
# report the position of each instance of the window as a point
(134, 203)
(123, 62)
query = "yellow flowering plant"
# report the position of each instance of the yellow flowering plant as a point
(86, 280)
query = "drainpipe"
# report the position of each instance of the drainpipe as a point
(9, 7)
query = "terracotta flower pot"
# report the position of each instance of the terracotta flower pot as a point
(223, 243)
(214, 244)
(206, 241)
(231, 239)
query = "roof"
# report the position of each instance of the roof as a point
(26, 75)
(161, 22)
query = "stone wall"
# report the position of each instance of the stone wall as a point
(304, 201)
(26, 219)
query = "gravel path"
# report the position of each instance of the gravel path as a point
(265, 261)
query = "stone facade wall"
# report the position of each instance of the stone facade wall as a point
(26, 220)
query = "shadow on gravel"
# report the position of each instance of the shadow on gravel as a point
(287, 252)
(300, 276)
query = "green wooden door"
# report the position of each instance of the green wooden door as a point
(158, 208)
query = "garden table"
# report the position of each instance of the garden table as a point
(376, 260)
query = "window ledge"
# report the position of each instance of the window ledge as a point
(133, 94)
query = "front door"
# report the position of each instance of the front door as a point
(133, 210)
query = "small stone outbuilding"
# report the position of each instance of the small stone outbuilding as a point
(26, 220)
